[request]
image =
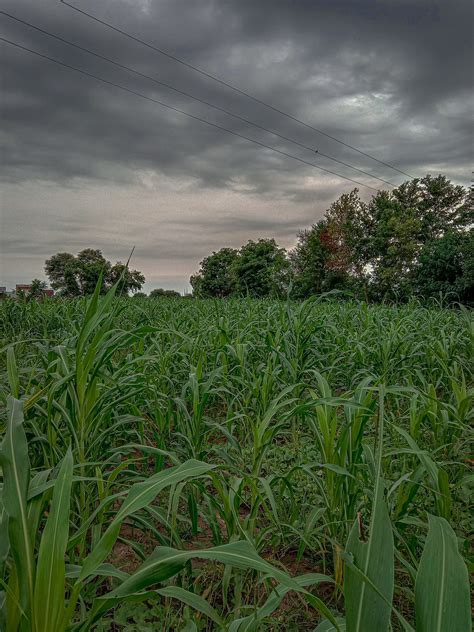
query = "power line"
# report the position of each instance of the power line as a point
(230, 86)
(175, 109)
(189, 95)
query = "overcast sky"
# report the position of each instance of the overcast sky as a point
(88, 165)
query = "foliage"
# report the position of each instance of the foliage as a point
(261, 269)
(394, 226)
(216, 277)
(446, 267)
(36, 289)
(322, 259)
(410, 241)
(160, 293)
(78, 276)
(234, 465)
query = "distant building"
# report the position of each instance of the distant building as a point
(4, 293)
(19, 287)
(22, 288)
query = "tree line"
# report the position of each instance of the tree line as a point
(78, 275)
(416, 240)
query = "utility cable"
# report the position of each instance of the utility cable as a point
(175, 109)
(230, 86)
(189, 95)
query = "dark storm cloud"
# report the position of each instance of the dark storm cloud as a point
(389, 77)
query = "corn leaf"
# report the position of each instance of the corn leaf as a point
(442, 600)
(16, 477)
(366, 610)
(194, 601)
(165, 562)
(140, 495)
(50, 572)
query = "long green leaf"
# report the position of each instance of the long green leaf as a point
(252, 622)
(16, 477)
(50, 571)
(12, 373)
(442, 601)
(165, 562)
(194, 601)
(366, 611)
(4, 538)
(139, 496)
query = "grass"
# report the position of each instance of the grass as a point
(309, 440)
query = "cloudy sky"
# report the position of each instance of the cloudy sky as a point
(85, 164)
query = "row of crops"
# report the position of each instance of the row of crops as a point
(234, 465)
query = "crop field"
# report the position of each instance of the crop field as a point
(173, 464)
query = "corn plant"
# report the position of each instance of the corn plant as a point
(35, 598)
(369, 573)
(310, 464)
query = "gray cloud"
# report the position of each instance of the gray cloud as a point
(87, 164)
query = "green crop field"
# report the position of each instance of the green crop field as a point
(235, 465)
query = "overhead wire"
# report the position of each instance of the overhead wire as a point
(229, 85)
(191, 96)
(183, 112)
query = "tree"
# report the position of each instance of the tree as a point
(161, 293)
(196, 283)
(374, 249)
(262, 269)
(37, 289)
(308, 261)
(446, 266)
(397, 224)
(61, 270)
(216, 277)
(391, 245)
(440, 205)
(139, 295)
(328, 255)
(78, 276)
(344, 234)
(130, 280)
(91, 264)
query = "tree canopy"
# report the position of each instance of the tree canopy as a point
(78, 275)
(258, 269)
(261, 269)
(416, 240)
(161, 293)
(216, 277)
(446, 267)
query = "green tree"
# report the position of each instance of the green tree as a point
(262, 269)
(446, 266)
(395, 226)
(91, 264)
(61, 270)
(196, 283)
(328, 256)
(161, 293)
(216, 277)
(391, 245)
(78, 276)
(37, 289)
(308, 261)
(130, 280)
(374, 249)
